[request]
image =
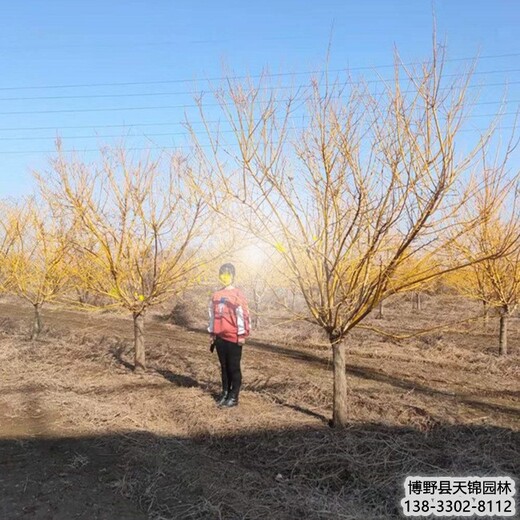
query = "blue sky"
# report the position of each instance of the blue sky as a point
(85, 70)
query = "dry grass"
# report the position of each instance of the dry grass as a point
(156, 446)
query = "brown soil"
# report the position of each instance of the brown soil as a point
(82, 436)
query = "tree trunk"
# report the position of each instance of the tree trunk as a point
(37, 322)
(339, 415)
(417, 303)
(380, 311)
(486, 313)
(139, 352)
(256, 306)
(502, 341)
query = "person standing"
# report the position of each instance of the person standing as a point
(229, 327)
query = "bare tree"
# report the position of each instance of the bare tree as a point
(8, 223)
(370, 185)
(496, 280)
(140, 228)
(35, 263)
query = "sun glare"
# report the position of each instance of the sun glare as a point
(253, 256)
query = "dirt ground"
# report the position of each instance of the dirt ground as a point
(82, 436)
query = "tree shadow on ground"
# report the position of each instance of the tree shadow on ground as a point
(299, 474)
(117, 351)
(178, 379)
(373, 374)
(190, 382)
(377, 375)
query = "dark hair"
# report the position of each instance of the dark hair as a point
(227, 268)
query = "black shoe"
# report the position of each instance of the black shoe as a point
(230, 402)
(223, 398)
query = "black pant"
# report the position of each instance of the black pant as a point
(229, 355)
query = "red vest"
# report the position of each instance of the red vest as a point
(229, 315)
